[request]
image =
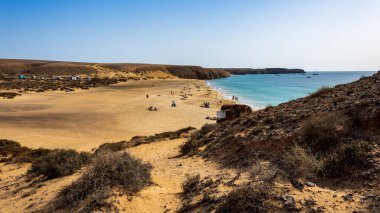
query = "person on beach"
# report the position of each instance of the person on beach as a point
(173, 104)
(147, 96)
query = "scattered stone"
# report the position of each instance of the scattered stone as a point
(297, 184)
(309, 184)
(290, 202)
(317, 210)
(348, 197)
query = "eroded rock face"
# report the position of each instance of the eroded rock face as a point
(234, 111)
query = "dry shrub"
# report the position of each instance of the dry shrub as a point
(346, 160)
(58, 163)
(31, 155)
(191, 146)
(9, 95)
(249, 198)
(114, 147)
(138, 140)
(321, 91)
(107, 170)
(9, 148)
(325, 147)
(191, 184)
(262, 172)
(324, 132)
(300, 163)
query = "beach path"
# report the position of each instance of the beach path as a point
(168, 174)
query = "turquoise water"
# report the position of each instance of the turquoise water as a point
(262, 90)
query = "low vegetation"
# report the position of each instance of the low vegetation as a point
(9, 95)
(31, 155)
(320, 92)
(138, 140)
(45, 162)
(51, 85)
(192, 145)
(298, 162)
(10, 149)
(106, 171)
(190, 184)
(58, 163)
(324, 148)
(249, 198)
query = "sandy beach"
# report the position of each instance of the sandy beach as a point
(84, 119)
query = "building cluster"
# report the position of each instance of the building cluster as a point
(54, 77)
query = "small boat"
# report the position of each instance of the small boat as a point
(308, 77)
(315, 74)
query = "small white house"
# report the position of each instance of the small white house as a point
(74, 78)
(56, 77)
(220, 114)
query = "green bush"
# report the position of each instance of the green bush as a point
(59, 163)
(108, 169)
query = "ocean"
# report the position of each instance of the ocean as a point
(261, 90)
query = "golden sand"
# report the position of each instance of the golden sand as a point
(84, 119)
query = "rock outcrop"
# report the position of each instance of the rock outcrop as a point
(234, 111)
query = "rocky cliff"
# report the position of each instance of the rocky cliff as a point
(37, 67)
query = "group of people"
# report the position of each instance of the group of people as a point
(151, 108)
(206, 104)
(235, 98)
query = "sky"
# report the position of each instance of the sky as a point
(315, 35)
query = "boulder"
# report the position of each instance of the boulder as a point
(233, 111)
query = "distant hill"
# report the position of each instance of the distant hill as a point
(40, 67)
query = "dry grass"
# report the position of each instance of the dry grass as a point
(321, 91)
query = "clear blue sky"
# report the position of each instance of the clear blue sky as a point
(309, 34)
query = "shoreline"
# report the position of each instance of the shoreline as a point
(226, 96)
(85, 119)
